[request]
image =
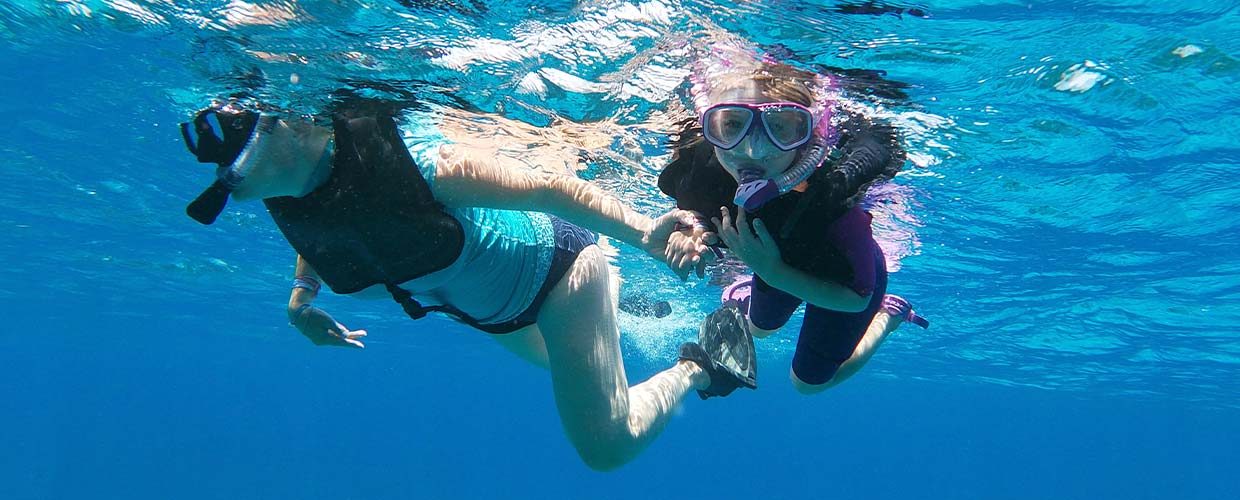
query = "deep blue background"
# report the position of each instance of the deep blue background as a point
(101, 407)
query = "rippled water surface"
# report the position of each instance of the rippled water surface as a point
(1068, 217)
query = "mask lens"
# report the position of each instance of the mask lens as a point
(191, 137)
(217, 130)
(207, 126)
(726, 126)
(217, 135)
(788, 127)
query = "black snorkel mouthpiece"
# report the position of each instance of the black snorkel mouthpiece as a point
(208, 205)
(217, 135)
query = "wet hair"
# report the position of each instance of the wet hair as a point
(778, 82)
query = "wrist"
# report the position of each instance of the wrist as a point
(646, 233)
(305, 289)
(295, 314)
(773, 273)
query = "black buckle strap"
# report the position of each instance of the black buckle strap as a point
(416, 310)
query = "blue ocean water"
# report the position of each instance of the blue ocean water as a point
(1067, 220)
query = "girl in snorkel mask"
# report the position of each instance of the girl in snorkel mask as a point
(778, 175)
(769, 143)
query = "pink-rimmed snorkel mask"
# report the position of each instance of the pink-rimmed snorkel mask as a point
(790, 126)
(787, 124)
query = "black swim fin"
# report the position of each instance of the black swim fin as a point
(644, 306)
(725, 350)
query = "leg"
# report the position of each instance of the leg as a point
(608, 422)
(527, 343)
(880, 327)
(834, 345)
(769, 308)
(885, 321)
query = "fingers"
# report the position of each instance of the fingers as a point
(708, 254)
(723, 234)
(686, 254)
(342, 336)
(764, 234)
(727, 232)
(686, 218)
(747, 233)
(711, 238)
(685, 266)
(742, 221)
(673, 257)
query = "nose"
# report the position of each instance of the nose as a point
(757, 145)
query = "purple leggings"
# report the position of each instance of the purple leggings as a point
(828, 338)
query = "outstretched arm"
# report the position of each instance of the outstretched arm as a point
(463, 180)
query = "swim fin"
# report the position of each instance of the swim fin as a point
(725, 350)
(895, 305)
(644, 306)
(740, 291)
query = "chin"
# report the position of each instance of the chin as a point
(247, 192)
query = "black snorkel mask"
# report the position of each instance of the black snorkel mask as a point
(218, 134)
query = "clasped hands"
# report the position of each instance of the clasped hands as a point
(687, 248)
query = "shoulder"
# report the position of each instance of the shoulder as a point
(695, 179)
(850, 230)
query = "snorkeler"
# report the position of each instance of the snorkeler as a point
(504, 250)
(778, 169)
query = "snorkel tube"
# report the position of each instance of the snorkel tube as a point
(752, 191)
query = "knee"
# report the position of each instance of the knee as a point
(807, 388)
(761, 333)
(763, 327)
(602, 462)
(604, 454)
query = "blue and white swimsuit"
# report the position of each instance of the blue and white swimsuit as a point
(509, 260)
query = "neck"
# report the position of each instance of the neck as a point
(322, 170)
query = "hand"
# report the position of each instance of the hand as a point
(757, 249)
(682, 249)
(320, 328)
